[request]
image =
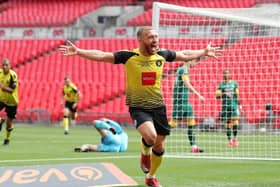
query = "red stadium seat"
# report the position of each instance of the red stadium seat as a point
(146, 17)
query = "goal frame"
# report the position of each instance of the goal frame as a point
(157, 7)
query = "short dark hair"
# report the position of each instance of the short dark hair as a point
(226, 70)
(67, 77)
(142, 29)
(6, 60)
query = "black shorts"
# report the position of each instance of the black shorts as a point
(157, 116)
(69, 105)
(10, 110)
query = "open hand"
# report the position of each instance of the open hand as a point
(68, 50)
(213, 51)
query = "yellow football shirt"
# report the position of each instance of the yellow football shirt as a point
(70, 92)
(9, 80)
(143, 76)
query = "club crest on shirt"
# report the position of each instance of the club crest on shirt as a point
(158, 63)
(144, 64)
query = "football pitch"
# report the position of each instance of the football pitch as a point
(46, 145)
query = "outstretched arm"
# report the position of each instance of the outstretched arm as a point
(94, 55)
(187, 55)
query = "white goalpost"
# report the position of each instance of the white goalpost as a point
(250, 39)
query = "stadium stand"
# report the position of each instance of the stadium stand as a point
(38, 13)
(24, 50)
(146, 17)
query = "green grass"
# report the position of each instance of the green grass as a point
(39, 145)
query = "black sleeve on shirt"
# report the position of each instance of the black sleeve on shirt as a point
(168, 55)
(13, 84)
(75, 90)
(122, 56)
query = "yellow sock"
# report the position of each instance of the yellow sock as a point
(8, 133)
(66, 123)
(146, 150)
(191, 122)
(235, 122)
(228, 125)
(173, 123)
(156, 159)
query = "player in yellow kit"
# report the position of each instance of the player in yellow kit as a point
(143, 67)
(72, 96)
(8, 96)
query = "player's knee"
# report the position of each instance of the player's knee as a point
(151, 139)
(146, 144)
(65, 112)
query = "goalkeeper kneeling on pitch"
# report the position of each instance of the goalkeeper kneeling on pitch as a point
(113, 138)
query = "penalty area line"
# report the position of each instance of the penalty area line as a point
(70, 159)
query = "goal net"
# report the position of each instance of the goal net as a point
(250, 39)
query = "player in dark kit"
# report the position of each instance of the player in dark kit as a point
(182, 108)
(228, 91)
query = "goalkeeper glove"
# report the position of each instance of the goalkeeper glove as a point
(113, 130)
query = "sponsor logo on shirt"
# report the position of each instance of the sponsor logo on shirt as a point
(144, 64)
(148, 78)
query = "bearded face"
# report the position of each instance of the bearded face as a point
(149, 41)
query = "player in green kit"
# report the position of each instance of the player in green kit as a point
(182, 109)
(228, 91)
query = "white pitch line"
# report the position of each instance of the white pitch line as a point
(68, 159)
